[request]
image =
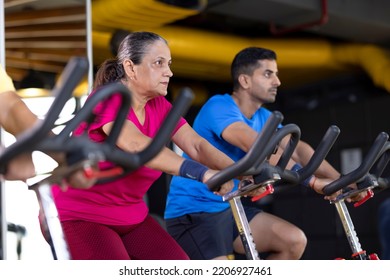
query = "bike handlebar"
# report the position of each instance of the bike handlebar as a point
(255, 154)
(39, 139)
(253, 163)
(320, 153)
(379, 167)
(360, 172)
(263, 171)
(382, 161)
(108, 150)
(272, 144)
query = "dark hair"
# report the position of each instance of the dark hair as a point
(134, 47)
(247, 60)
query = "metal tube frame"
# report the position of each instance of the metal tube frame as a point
(243, 228)
(50, 223)
(349, 229)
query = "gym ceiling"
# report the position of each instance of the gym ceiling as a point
(315, 39)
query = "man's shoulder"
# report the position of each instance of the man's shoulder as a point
(218, 99)
(220, 96)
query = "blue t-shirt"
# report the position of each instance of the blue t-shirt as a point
(189, 196)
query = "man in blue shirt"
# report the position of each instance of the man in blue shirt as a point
(201, 221)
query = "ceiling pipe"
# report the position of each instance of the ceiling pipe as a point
(138, 14)
(208, 55)
(202, 54)
(374, 60)
(321, 21)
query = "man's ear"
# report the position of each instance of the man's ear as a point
(128, 66)
(244, 81)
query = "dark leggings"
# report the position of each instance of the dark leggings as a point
(145, 241)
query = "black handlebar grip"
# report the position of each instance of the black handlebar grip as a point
(380, 165)
(320, 153)
(254, 154)
(85, 112)
(360, 171)
(108, 149)
(294, 130)
(295, 135)
(131, 161)
(295, 177)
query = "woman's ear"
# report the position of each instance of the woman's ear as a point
(128, 66)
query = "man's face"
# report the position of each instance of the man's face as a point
(264, 82)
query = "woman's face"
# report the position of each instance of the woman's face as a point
(151, 77)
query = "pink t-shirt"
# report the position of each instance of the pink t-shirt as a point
(120, 202)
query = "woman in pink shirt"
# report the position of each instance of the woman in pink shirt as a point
(111, 220)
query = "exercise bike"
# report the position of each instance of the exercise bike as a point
(367, 179)
(255, 163)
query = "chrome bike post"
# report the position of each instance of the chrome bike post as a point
(50, 223)
(243, 228)
(349, 229)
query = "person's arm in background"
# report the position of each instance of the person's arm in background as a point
(15, 117)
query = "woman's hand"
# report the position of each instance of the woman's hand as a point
(78, 180)
(225, 188)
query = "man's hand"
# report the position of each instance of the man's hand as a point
(20, 168)
(318, 184)
(6, 83)
(357, 196)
